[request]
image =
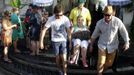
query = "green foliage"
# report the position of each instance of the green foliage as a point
(15, 3)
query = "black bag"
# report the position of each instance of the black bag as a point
(83, 35)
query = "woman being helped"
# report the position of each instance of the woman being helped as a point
(7, 34)
(18, 31)
(78, 43)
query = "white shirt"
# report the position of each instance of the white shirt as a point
(108, 34)
(58, 28)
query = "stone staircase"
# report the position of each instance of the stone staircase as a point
(44, 64)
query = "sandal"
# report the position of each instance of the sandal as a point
(17, 51)
(85, 64)
(32, 54)
(7, 60)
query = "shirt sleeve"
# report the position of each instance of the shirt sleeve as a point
(67, 22)
(123, 32)
(48, 23)
(71, 14)
(88, 15)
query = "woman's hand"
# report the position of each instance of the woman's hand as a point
(14, 26)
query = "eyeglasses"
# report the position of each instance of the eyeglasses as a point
(107, 15)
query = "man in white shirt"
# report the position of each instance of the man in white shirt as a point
(59, 24)
(107, 30)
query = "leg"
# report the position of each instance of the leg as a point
(55, 46)
(109, 60)
(101, 61)
(77, 56)
(33, 47)
(74, 56)
(63, 56)
(37, 47)
(27, 41)
(83, 54)
(6, 59)
(64, 63)
(6, 52)
(84, 45)
(15, 46)
(58, 61)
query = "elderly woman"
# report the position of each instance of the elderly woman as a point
(7, 34)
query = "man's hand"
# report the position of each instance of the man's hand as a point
(41, 46)
(125, 47)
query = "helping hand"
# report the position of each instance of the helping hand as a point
(125, 47)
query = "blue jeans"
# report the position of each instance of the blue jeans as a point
(59, 47)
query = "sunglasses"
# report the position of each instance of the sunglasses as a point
(58, 14)
(45, 14)
(107, 14)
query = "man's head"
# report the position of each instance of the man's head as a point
(108, 12)
(30, 5)
(58, 11)
(35, 8)
(81, 3)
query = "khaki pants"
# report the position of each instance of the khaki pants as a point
(105, 60)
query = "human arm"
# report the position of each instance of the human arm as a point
(124, 34)
(95, 34)
(6, 27)
(71, 17)
(42, 35)
(88, 19)
(92, 40)
(69, 30)
(43, 32)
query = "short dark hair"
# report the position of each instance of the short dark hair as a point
(30, 5)
(58, 8)
(6, 13)
(34, 7)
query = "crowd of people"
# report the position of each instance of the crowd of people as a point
(37, 22)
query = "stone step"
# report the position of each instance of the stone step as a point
(45, 59)
(20, 67)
